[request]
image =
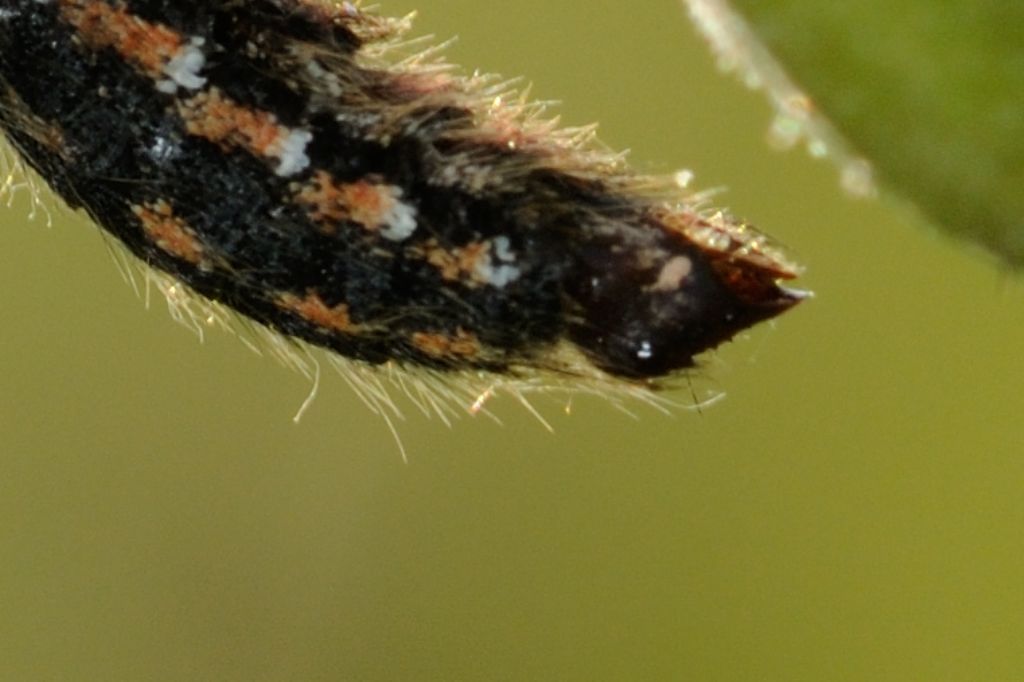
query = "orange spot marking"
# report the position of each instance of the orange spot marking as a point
(150, 46)
(313, 309)
(461, 262)
(363, 202)
(170, 233)
(217, 118)
(462, 345)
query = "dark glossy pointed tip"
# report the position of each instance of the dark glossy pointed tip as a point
(789, 297)
(768, 304)
(766, 300)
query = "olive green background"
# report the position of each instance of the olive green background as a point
(853, 510)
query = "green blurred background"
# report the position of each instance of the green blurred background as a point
(852, 511)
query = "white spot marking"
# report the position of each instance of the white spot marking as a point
(672, 274)
(184, 67)
(292, 152)
(163, 149)
(503, 250)
(400, 218)
(502, 274)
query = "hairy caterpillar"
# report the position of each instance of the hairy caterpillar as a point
(270, 157)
